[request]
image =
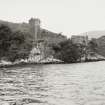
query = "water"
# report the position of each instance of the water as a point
(68, 84)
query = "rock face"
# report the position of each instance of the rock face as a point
(37, 56)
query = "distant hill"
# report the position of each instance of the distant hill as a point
(47, 35)
(94, 34)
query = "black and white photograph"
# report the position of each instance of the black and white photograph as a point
(52, 52)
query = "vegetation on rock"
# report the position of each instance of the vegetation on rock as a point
(67, 51)
(14, 45)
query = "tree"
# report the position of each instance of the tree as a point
(5, 34)
(93, 45)
(20, 46)
(67, 52)
(14, 45)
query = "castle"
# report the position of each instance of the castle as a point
(34, 24)
(76, 39)
(42, 38)
(40, 52)
(37, 52)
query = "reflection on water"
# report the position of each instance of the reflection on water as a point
(68, 84)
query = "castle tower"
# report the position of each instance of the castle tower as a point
(34, 24)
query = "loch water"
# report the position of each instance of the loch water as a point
(54, 84)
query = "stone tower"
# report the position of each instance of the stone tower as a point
(34, 24)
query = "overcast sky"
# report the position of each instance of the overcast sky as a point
(67, 16)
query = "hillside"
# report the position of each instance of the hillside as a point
(52, 37)
(24, 27)
(47, 35)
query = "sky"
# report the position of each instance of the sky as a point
(70, 17)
